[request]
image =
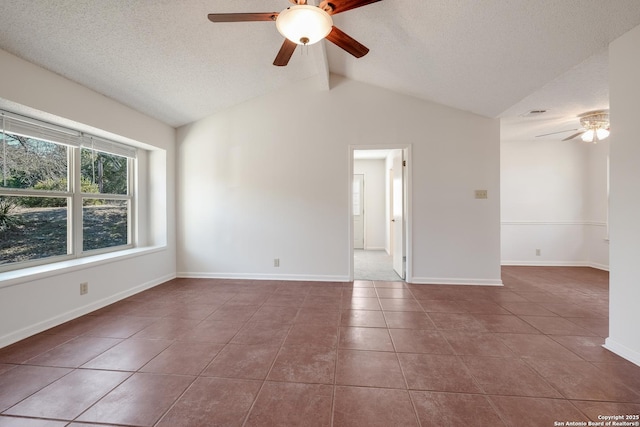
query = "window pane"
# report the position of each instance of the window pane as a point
(104, 223)
(103, 173)
(31, 163)
(32, 228)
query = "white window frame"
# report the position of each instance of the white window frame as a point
(75, 142)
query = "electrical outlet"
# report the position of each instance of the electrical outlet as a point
(84, 288)
(481, 194)
(276, 262)
(538, 252)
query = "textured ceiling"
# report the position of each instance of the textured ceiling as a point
(164, 57)
(583, 88)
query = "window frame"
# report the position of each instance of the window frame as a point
(75, 225)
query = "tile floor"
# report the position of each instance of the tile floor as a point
(248, 353)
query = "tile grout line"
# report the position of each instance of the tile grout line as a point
(335, 371)
(175, 402)
(264, 381)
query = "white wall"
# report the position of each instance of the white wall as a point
(374, 201)
(269, 179)
(35, 299)
(596, 228)
(624, 292)
(554, 198)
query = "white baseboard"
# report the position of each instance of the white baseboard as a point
(599, 266)
(547, 263)
(555, 264)
(621, 350)
(77, 312)
(325, 278)
(448, 281)
(256, 276)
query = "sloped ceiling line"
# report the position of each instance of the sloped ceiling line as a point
(165, 59)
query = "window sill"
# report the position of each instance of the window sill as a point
(16, 277)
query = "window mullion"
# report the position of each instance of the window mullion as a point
(105, 196)
(131, 226)
(76, 204)
(18, 192)
(4, 155)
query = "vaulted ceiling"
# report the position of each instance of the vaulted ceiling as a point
(496, 58)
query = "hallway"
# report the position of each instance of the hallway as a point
(373, 265)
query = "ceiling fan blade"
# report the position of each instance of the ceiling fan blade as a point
(287, 49)
(344, 41)
(242, 17)
(337, 6)
(575, 135)
(554, 133)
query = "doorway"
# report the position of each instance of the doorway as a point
(379, 218)
(358, 211)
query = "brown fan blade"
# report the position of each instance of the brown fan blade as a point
(242, 17)
(337, 6)
(574, 135)
(285, 53)
(344, 41)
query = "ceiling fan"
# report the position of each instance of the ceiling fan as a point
(303, 24)
(595, 127)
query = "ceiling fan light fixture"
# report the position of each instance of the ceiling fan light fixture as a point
(588, 136)
(304, 24)
(596, 125)
(602, 133)
(595, 135)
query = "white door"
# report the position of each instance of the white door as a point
(397, 219)
(358, 211)
(390, 210)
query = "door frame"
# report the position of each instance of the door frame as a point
(407, 205)
(362, 212)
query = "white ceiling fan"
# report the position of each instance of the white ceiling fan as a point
(595, 127)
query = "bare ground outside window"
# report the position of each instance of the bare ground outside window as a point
(42, 232)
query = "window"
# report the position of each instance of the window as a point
(63, 194)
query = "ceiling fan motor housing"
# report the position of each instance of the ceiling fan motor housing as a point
(595, 120)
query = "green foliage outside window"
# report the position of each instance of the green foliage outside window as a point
(86, 186)
(8, 219)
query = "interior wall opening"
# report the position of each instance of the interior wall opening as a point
(379, 214)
